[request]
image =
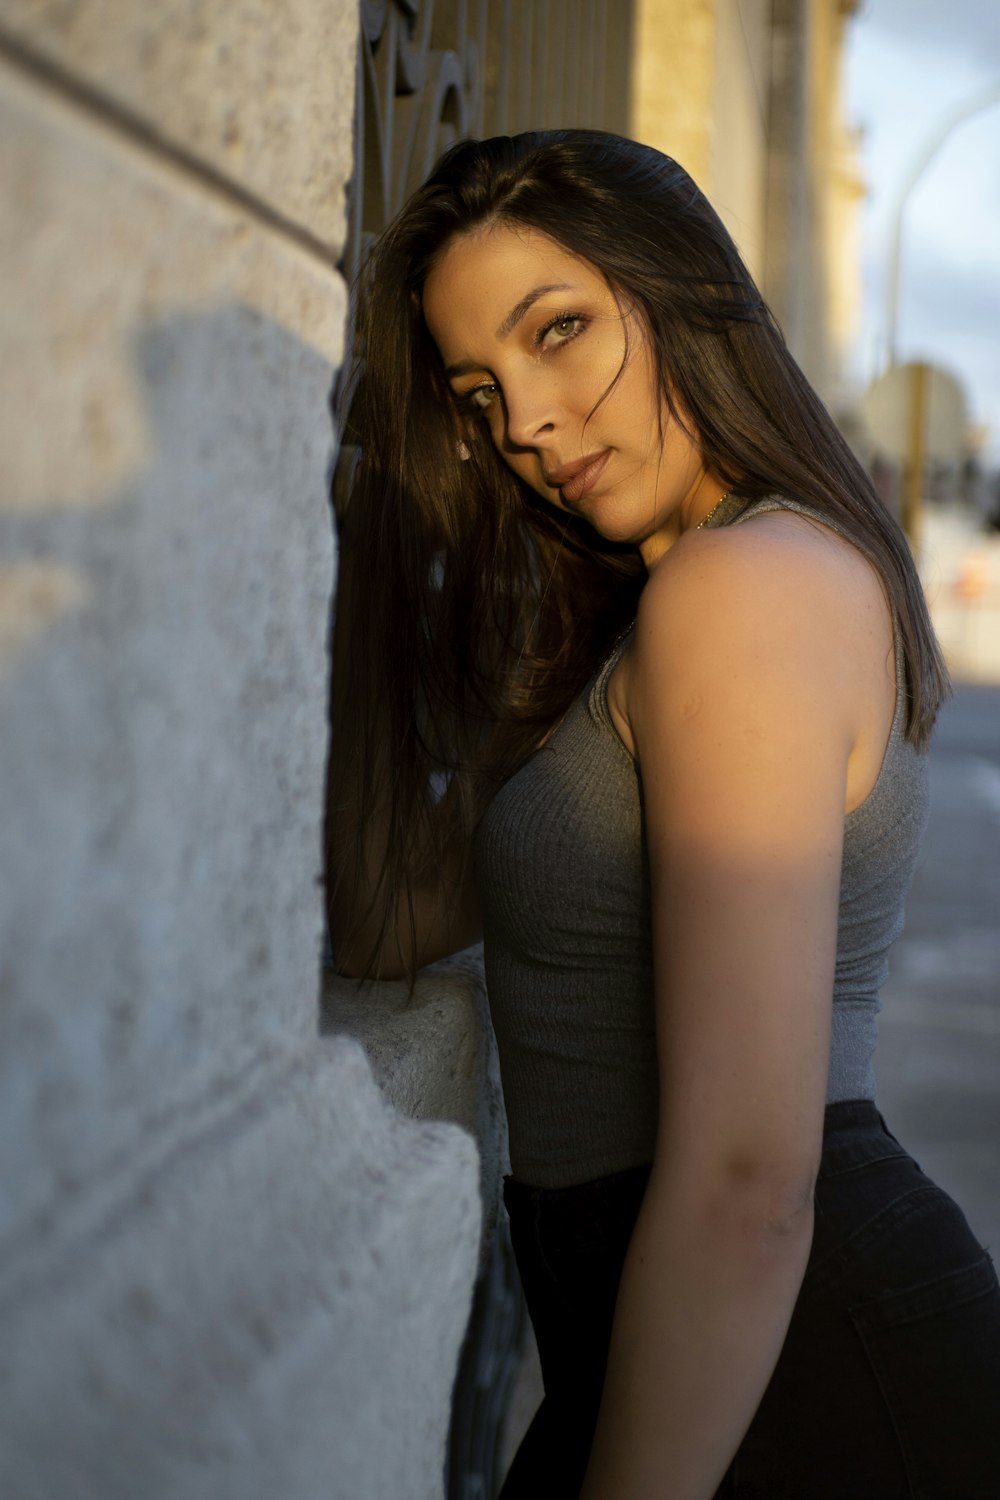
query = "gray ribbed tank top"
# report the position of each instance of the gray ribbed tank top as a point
(564, 883)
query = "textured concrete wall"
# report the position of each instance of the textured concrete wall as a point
(433, 1056)
(228, 1267)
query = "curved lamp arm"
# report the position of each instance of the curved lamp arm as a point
(974, 106)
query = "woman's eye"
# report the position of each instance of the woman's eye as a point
(567, 326)
(480, 397)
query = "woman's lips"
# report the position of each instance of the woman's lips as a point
(574, 480)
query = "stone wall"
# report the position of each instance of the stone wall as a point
(229, 1267)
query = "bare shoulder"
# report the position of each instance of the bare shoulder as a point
(778, 610)
(776, 573)
(780, 550)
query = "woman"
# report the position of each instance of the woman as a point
(646, 687)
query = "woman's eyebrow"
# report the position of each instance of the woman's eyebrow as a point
(510, 322)
(517, 312)
(462, 367)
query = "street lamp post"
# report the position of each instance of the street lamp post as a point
(919, 373)
(974, 106)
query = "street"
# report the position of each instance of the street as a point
(938, 1062)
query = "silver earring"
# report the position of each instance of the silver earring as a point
(463, 451)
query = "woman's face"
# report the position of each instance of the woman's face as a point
(532, 338)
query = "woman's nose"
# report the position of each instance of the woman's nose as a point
(531, 412)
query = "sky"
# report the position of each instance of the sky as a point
(910, 65)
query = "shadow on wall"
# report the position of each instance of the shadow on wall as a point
(163, 685)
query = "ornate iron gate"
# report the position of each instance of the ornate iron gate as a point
(433, 71)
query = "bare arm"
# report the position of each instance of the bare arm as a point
(742, 710)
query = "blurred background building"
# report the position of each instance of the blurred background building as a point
(244, 1208)
(923, 89)
(749, 97)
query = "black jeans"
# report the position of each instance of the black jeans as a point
(888, 1384)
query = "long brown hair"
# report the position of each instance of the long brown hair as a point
(477, 612)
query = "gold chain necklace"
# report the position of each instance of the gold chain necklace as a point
(705, 519)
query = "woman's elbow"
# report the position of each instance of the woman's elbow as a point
(790, 1208)
(761, 1200)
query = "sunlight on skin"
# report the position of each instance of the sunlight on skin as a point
(538, 348)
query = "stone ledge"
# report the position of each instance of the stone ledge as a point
(433, 1054)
